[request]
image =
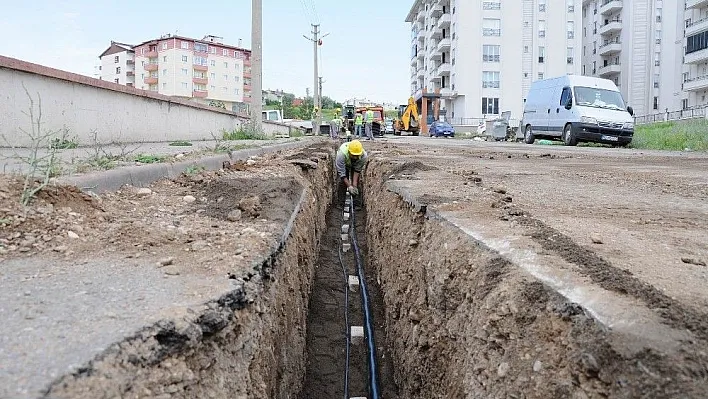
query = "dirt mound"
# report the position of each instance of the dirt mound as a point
(271, 199)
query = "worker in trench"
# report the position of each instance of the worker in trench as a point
(350, 160)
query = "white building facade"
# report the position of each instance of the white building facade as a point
(117, 64)
(694, 24)
(479, 57)
(638, 44)
(205, 71)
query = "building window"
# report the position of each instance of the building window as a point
(490, 79)
(541, 55)
(491, 27)
(184, 58)
(571, 30)
(164, 72)
(212, 63)
(658, 15)
(490, 53)
(656, 81)
(212, 50)
(684, 103)
(237, 91)
(164, 85)
(184, 71)
(116, 59)
(491, 5)
(201, 48)
(200, 61)
(490, 106)
(656, 103)
(571, 5)
(526, 49)
(226, 64)
(117, 80)
(542, 5)
(658, 36)
(583, 69)
(225, 89)
(540, 76)
(697, 42)
(184, 85)
(541, 28)
(225, 52)
(164, 59)
(569, 56)
(164, 46)
(185, 45)
(117, 70)
(226, 77)
(237, 79)
(213, 75)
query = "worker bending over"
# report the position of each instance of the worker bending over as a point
(351, 157)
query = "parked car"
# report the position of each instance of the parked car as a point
(388, 127)
(440, 128)
(576, 109)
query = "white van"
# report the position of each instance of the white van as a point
(577, 109)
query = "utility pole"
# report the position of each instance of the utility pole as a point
(257, 64)
(319, 105)
(315, 39)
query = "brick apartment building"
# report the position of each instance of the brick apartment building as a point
(206, 71)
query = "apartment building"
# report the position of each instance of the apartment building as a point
(474, 59)
(694, 77)
(206, 71)
(638, 45)
(117, 64)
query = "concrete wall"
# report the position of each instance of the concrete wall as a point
(118, 113)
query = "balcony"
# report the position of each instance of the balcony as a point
(151, 54)
(200, 93)
(420, 74)
(610, 48)
(436, 55)
(611, 27)
(151, 80)
(129, 73)
(696, 57)
(421, 37)
(609, 70)
(421, 16)
(420, 55)
(436, 34)
(696, 4)
(202, 68)
(436, 11)
(444, 69)
(414, 60)
(609, 7)
(435, 77)
(130, 62)
(151, 66)
(447, 92)
(444, 22)
(696, 84)
(444, 45)
(246, 87)
(200, 80)
(696, 27)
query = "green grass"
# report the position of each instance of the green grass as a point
(675, 135)
(63, 144)
(180, 143)
(145, 158)
(243, 134)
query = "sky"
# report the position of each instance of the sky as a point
(365, 55)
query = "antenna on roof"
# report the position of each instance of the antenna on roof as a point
(213, 38)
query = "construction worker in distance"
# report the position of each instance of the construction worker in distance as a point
(369, 120)
(358, 124)
(351, 157)
(334, 126)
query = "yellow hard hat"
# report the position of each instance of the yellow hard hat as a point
(355, 148)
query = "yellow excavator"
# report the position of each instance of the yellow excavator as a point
(408, 119)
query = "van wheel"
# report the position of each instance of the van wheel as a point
(528, 135)
(568, 136)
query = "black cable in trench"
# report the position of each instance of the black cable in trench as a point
(373, 365)
(346, 322)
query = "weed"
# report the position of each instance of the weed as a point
(675, 135)
(146, 158)
(243, 133)
(64, 144)
(181, 143)
(5, 222)
(41, 162)
(194, 169)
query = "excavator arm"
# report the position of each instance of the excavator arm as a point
(410, 115)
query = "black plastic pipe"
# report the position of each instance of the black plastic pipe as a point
(346, 324)
(368, 327)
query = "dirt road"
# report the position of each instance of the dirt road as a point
(622, 233)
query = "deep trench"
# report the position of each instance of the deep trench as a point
(326, 328)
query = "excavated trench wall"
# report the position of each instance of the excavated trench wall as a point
(250, 343)
(463, 322)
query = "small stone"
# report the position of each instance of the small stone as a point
(77, 228)
(189, 199)
(250, 162)
(537, 366)
(234, 215)
(171, 271)
(503, 369)
(180, 155)
(25, 249)
(71, 234)
(143, 192)
(692, 261)
(500, 190)
(413, 243)
(60, 248)
(166, 261)
(596, 238)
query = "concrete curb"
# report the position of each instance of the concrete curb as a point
(140, 176)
